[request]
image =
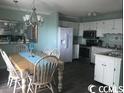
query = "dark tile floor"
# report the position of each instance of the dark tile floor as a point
(3, 76)
(78, 75)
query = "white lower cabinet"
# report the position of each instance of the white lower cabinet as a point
(107, 70)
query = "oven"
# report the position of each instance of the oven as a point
(84, 51)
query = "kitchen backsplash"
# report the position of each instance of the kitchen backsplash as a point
(112, 40)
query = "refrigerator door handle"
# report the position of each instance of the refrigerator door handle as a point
(63, 43)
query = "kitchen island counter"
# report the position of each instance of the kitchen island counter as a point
(108, 68)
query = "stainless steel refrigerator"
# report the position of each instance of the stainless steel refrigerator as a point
(65, 43)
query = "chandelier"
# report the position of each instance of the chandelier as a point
(34, 18)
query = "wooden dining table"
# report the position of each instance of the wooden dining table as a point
(25, 66)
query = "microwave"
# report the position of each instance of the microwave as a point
(89, 34)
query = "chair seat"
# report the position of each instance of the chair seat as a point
(15, 76)
(36, 83)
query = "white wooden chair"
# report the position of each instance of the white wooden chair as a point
(43, 74)
(47, 51)
(56, 53)
(14, 76)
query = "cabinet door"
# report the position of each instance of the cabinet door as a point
(93, 25)
(87, 26)
(90, 26)
(109, 25)
(118, 26)
(108, 71)
(118, 71)
(100, 28)
(99, 70)
(81, 28)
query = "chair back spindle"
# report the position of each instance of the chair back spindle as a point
(44, 69)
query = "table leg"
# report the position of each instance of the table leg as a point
(23, 76)
(60, 77)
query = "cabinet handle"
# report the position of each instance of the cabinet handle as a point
(113, 83)
(103, 65)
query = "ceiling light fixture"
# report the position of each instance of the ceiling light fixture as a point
(92, 14)
(15, 1)
(33, 19)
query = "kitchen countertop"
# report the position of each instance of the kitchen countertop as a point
(102, 47)
(82, 45)
(108, 48)
(117, 54)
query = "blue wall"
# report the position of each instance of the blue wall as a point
(47, 32)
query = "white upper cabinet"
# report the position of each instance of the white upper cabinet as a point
(87, 26)
(118, 26)
(113, 26)
(90, 26)
(93, 26)
(102, 27)
(81, 28)
(108, 26)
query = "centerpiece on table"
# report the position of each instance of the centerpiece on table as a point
(31, 46)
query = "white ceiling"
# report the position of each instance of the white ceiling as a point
(67, 7)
